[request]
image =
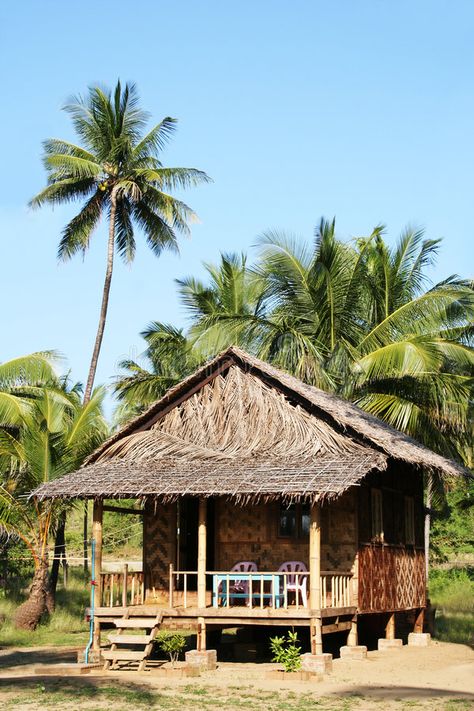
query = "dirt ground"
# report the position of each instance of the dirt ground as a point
(438, 677)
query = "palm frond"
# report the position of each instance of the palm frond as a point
(159, 234)
(77, 233)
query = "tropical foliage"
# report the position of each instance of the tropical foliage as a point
(49, 434)
(359, 319)
(116, 172)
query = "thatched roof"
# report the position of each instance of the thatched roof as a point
(239, 427)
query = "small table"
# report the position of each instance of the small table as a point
(225, 578)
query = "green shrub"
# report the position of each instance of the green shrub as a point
(172, 644)
(285, 651)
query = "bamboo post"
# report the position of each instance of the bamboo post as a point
(201, 635)
(171, 586)
(390, 627)
(97, 516)
(315, 578)
(201, 571)
(125, 585)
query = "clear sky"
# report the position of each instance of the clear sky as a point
(363, 109)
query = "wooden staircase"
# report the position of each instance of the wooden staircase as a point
(121, 642)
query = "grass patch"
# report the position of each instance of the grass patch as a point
(452, 593)
(87, 694)
(66, 626)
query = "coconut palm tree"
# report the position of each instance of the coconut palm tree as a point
(53, 439)
(360, 313)
(21, 379)
(353, 318)
(171, 357)
(117, 173)
(223, 310)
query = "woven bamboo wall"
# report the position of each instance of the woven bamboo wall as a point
(392, 573)
(251, 533)
(159, 548)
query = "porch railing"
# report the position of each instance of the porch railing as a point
(122, 587)
(262, 589)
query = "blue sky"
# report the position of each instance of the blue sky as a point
(360, 109)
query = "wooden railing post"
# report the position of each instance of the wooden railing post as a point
(97, 516)
(315, 578)
(125, 585)
(202, 543)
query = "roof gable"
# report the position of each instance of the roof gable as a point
(333, 418)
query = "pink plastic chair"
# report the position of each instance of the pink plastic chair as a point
(294, 584)
(237, 587)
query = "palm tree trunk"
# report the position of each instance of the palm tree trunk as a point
(29, 614)
(105, 298)
(59, 555)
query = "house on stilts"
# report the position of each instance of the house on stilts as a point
(317, 503)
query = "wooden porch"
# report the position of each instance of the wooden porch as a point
(195, 599)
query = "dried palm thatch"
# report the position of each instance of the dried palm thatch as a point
(241, 428)
(242, 480)
(234, 416)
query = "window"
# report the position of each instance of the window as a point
(377, 515)
(293, 521)
(409, 520)
(287, 524)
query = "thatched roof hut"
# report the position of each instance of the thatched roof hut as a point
(241, 428)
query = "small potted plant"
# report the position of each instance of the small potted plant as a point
(172, 644)
(286, 651)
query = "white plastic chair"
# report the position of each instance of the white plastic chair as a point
(297, 584)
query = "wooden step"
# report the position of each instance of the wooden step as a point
(123, 654)
(130, 638)
(135, 623)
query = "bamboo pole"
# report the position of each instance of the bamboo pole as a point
(171, 585)
(202, 543)
(315, 577)
(97, 516)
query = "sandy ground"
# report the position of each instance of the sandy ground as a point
(432, 677)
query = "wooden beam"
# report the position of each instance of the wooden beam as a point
(315, 577)
(122, 509)
(201, 562)
(97, 516)
(337, 627)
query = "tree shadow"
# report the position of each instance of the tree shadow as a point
(20, 657)
(82, 688)
(394, 693)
